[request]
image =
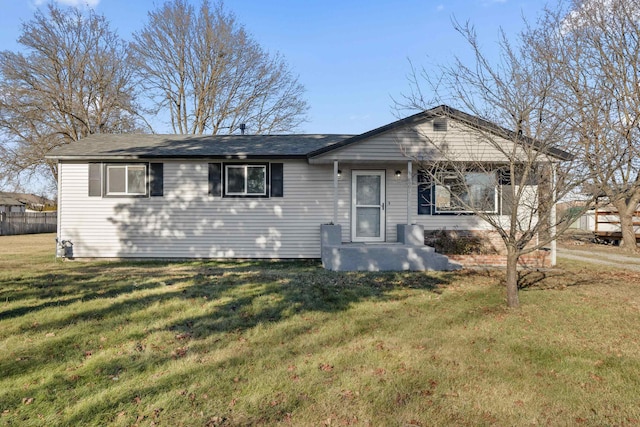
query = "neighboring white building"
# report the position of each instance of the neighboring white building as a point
(257, 196)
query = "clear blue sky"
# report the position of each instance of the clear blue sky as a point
(351, 55)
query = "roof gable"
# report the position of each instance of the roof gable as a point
(414, 121)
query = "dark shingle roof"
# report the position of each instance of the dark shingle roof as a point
(127, 146)
(147, 146)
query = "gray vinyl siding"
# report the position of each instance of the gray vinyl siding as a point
(463, 143)
(187, 223)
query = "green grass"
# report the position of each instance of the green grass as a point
(261, 343)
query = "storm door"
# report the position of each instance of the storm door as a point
(367, 206)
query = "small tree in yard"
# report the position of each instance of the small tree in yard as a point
(592, 47)
(515, 125)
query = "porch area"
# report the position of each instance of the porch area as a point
(407, 254)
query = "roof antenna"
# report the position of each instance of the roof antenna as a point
(243, 126)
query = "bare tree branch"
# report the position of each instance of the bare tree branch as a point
(212, 76)
(72, 80)
(504, 153)
(594, 50)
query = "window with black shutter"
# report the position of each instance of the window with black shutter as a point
(119, 180)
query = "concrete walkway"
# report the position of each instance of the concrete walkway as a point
(628, 262)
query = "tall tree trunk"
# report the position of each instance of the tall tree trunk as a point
(626, 213)
(512, 277)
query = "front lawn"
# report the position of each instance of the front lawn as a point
(262, 343)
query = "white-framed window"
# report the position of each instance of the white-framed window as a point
(245, 180)
(126, 180)
(466, 193)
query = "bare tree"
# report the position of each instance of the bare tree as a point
(507, 149)
(73, 79)
(212, 76)
(593, 50)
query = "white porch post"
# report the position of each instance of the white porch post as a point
(409, 183)
(335, 191)
(59, 210)
(552, 215)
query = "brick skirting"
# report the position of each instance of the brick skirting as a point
(537, 259)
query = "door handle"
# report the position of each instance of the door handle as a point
(382, 205)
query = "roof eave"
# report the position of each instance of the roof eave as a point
(180, 157)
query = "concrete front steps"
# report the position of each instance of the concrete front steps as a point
(409, 254)
(384, 257)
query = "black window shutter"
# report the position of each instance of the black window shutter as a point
(504, 176)
(156, 173)
(95, 179)
(215, 179)
(424, 193)
(277, 179)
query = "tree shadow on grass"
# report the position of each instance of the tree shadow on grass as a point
(62, 288)
(230, 298)
(237, 298)
(275, 291)
(551, 279)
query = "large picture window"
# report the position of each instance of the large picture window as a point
(468, 192)
(126, 180)
(245, 180)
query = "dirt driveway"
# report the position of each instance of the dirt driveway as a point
(605, 258)
(579, 246)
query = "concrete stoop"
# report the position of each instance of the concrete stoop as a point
(409, 254)
(385, 257)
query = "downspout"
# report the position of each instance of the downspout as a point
(335, 192)
(59, 207)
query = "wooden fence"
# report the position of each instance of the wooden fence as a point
(27, 223)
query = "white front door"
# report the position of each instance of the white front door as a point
(367, 206)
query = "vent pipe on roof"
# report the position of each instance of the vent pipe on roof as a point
(243, 126)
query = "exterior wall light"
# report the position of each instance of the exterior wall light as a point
(398, 173)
